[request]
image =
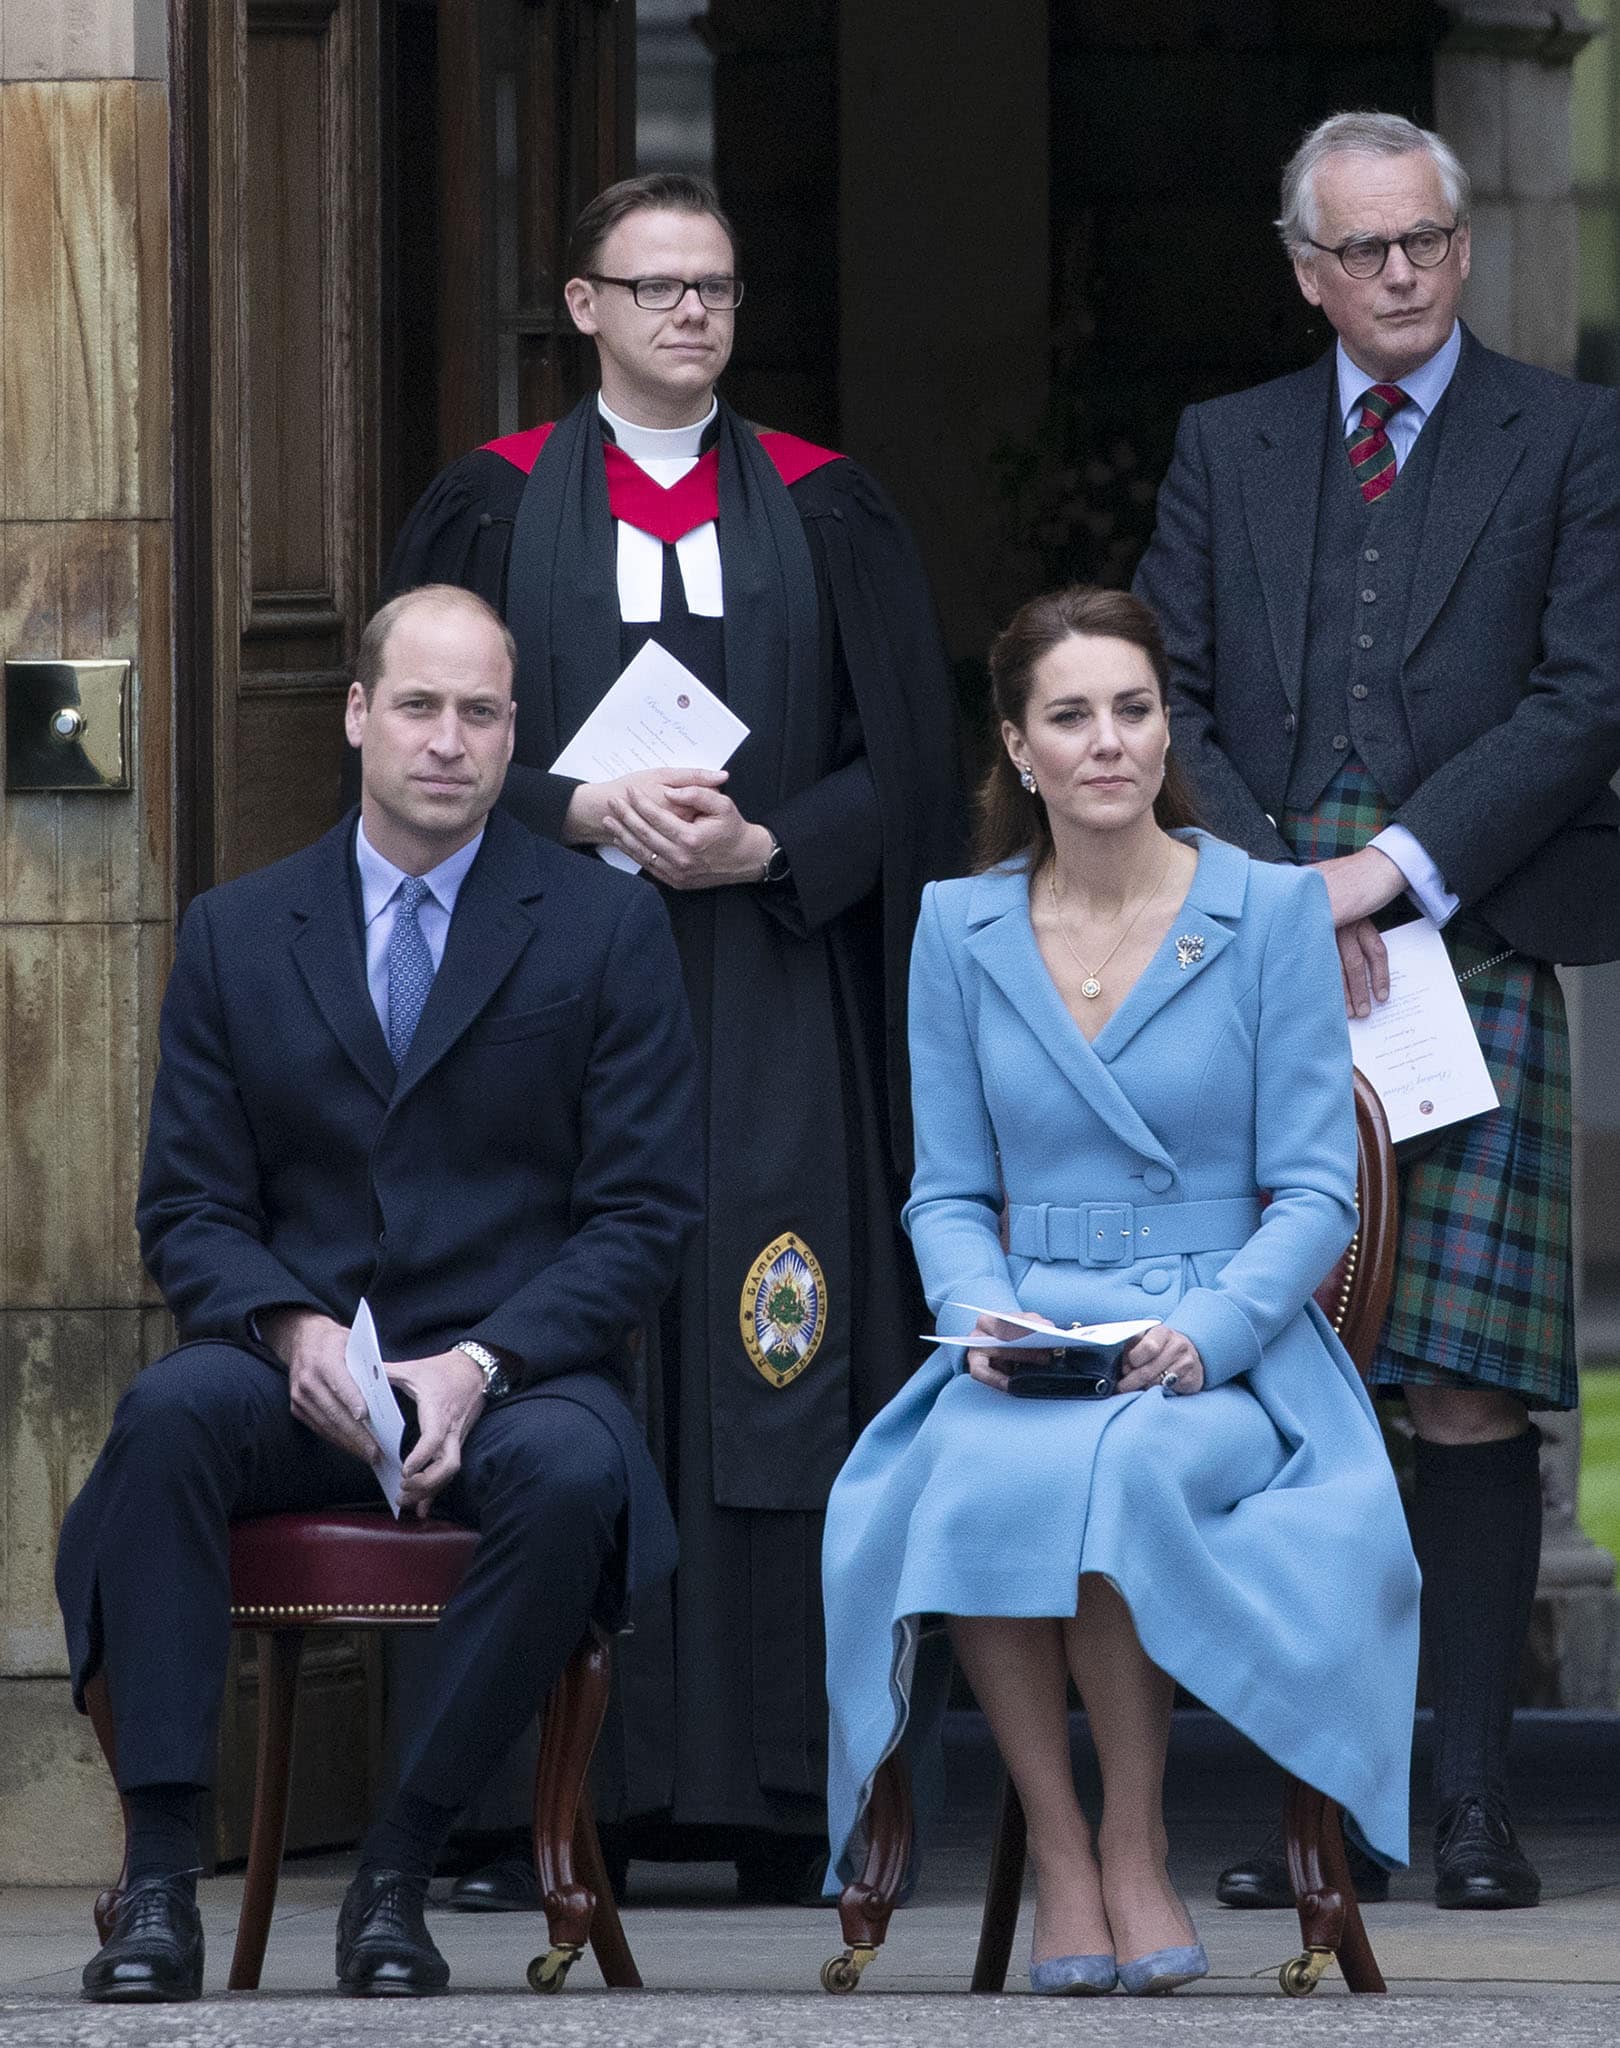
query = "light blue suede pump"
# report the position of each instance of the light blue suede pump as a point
(1163, 1970)
(1073, 1976)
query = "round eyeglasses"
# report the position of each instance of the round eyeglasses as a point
(1366, 255)
(664, 294)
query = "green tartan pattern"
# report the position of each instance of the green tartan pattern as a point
(1484, 1286)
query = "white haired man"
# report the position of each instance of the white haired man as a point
(1387, 587)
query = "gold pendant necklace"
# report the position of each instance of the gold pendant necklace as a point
(1091, 987)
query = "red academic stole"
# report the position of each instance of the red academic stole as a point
(667, 514)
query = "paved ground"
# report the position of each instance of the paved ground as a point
(735, 1978)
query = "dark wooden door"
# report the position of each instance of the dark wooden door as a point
(536, 106)
(371, 199)
(378, 199)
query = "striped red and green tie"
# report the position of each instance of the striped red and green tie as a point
(1372, 457)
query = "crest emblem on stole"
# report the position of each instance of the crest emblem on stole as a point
(783, 1311)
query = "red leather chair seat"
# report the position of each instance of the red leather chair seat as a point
(344, 1564)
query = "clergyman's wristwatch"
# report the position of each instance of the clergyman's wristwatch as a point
(496, 1382)
(776, 861)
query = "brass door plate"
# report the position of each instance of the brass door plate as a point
(67, 725)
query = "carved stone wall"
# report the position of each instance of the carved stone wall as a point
(85, 879)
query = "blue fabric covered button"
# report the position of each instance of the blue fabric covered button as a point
(1157, 1178)
(1156, 1280)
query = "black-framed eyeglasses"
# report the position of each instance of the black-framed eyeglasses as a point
(664, 294)
(1366, 255)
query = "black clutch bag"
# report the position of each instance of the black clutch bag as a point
(1067, 1375)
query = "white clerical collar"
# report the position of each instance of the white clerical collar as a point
(658, 444)
(1424, 388)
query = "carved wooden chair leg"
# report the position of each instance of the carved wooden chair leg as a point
(99, 1703)
(279, 1653)
(1330, 1922)
(573, 1720)
(608, 1942)
(1356, 1958)
(866, 1904)
(1002, 1892)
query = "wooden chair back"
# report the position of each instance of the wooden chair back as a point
(1355, 1295)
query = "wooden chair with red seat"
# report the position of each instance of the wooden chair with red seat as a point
(1354, 1297)
(348, 1568)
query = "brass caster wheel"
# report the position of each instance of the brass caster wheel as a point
(1300, 1975)
(843, 1973)
(549, 1972)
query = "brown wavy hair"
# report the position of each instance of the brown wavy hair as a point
(1009, 823)
(652, 192)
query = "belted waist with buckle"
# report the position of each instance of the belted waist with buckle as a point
(1119, 1233)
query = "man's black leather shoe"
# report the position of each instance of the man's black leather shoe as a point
(383, 1947)
(505, 1885)
(1478, 1861)
(1262, 1879)
(154, 1955)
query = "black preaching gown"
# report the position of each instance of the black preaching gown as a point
(797, 993)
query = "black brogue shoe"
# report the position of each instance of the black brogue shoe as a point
(154, 1955)
(1478, 1861)
(383, 1947)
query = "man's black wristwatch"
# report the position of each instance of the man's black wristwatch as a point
(776, 861)
(496, 1382)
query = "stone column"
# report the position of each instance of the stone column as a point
(1502, 100)
(85, 908)
(944, 268)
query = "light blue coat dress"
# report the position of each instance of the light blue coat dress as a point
(1254, 1528)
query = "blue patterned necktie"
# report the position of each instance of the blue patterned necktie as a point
(410, 968)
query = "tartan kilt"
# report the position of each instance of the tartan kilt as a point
(1484, 1283)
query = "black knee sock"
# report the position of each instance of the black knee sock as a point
(407, 1837)
(1476, 1528)
(163, 1832)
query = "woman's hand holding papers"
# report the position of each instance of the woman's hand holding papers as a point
(981, 1364)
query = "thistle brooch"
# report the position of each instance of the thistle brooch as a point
(1189, 949)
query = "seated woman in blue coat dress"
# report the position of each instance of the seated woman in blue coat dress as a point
(1128, 1031)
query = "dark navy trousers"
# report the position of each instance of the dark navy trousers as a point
(206, 1437)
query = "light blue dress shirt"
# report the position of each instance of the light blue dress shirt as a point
(379, 898)
(1424, 389)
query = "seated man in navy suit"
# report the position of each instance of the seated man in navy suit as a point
(439, 1064)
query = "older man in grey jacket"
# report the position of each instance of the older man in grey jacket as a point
(1388, 585)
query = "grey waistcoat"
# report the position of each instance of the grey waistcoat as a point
(1361, 578)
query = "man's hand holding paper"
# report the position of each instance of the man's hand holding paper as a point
(322, 1390)
(590, 817)
(689, 838)
(650, 758)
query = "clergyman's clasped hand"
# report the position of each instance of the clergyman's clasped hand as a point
(677, 822)
(1155, 1355)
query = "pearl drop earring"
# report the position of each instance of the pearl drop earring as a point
(1027, 779)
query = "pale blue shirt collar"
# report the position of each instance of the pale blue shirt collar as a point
(380, 879)
(1424, 388)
